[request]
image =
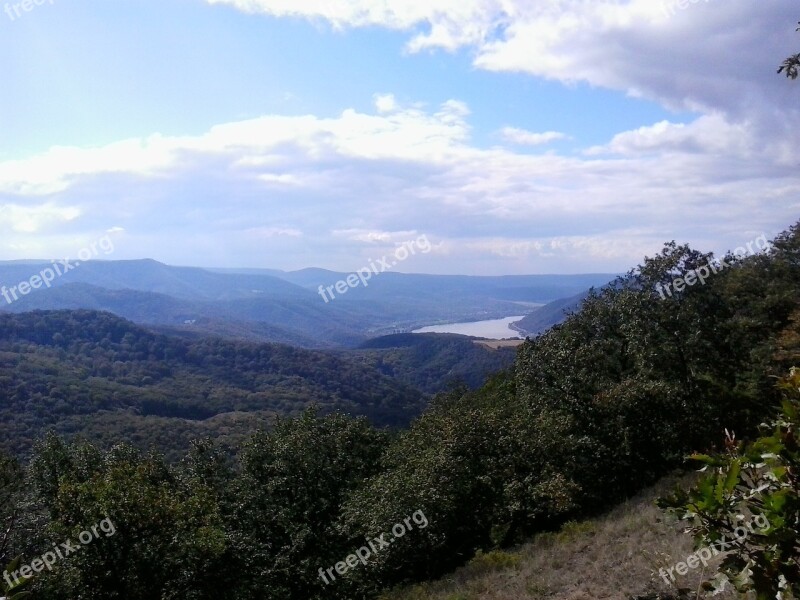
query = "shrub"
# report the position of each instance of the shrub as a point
(756, 482)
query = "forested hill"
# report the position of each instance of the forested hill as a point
(435, 362)
(94, 373)
(552, 313)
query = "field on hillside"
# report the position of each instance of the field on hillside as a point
(614, 557)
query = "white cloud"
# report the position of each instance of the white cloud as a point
(281, 179)
(707, 135)
(451, 23)
(51, 172)
(385, 103)
(270, 232)
(711, 56)
(375, 237)
(521, 137)
(616, 246)
(281, 191)
(35, 218)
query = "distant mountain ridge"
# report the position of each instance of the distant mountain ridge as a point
(189, 283)
(284, 307)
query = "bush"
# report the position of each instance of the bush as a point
(752, 483)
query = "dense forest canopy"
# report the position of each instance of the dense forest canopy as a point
(91, 373)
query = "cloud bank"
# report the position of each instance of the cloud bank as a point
(285, 190)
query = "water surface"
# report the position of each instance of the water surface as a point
(494, 329)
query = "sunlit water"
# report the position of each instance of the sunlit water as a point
(495, 329)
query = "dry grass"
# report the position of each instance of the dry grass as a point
(613, 557)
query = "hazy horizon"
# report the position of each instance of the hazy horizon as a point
(266, 270)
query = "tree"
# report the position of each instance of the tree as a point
(632, 373)
(756, 483)
(288, 501)
(13, 590)
(10, 485)
(167, 539)
(484, 471)
(791, 66)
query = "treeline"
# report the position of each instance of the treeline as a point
(591, 412)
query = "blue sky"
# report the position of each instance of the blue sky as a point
(561, 137)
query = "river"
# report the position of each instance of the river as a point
(494, 329)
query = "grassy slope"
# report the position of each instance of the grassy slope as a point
(615, 557)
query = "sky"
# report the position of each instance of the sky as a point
(517, 136)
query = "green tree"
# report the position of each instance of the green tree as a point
(10, 487)
(632, 374)
(791, 66)
(759, 483)
(16, 589)
(482, 470)
(288, 501)
(167, 539)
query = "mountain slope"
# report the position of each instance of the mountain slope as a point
(189, 283)
(71, 368)
(433, 362)
(575, 564)
(553, 313)
(296, 321)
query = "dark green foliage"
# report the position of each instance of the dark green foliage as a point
(791, 66)
(168, 537)
(477, 468)
(434, 362)
(288, 501)
(88, 372)
(10, 488)
(17, 589)
(644, 380)
(751, 498)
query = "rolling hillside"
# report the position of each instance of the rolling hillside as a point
(434, 362)
(94, 373)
